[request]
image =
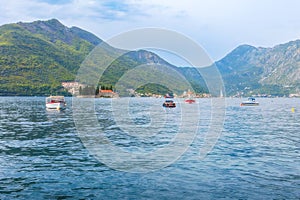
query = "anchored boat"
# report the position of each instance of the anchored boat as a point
(56, 102)
(190, 98)
(250, 102)
(190, 101)
(169, 104)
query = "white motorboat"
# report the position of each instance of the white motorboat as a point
(56, 102)
(250, 102)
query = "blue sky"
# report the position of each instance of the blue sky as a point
(218, 26)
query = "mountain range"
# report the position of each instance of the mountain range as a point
(36, 57)
(252, 70)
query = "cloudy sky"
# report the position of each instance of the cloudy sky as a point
(217, 25)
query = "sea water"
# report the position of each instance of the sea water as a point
(256, 155)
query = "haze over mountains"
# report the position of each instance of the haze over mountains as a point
(36, 57)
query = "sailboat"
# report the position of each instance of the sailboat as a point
(221, 93)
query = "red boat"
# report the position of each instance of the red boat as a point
(190, 101)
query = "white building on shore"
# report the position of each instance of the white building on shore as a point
(73, 87)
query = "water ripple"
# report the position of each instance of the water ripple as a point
(257, 156)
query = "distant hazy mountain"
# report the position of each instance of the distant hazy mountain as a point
(252, 70)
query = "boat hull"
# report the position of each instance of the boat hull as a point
(57, 106)
(169, 106)
(250, 104)
(190, 101)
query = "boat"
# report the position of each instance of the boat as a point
(221, 93)
(190, 101)
(250, 102)
(169, 104)
(56, 102)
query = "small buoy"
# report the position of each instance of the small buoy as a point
(293, 110)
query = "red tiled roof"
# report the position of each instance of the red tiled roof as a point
(106, 91)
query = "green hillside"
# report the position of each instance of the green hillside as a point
(168, 75)
(36, 57)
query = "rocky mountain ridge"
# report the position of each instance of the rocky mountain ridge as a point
(273, 70)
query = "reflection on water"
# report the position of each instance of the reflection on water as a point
(256, 157)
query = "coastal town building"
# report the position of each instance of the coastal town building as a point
(107, 94)
(73, 87)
